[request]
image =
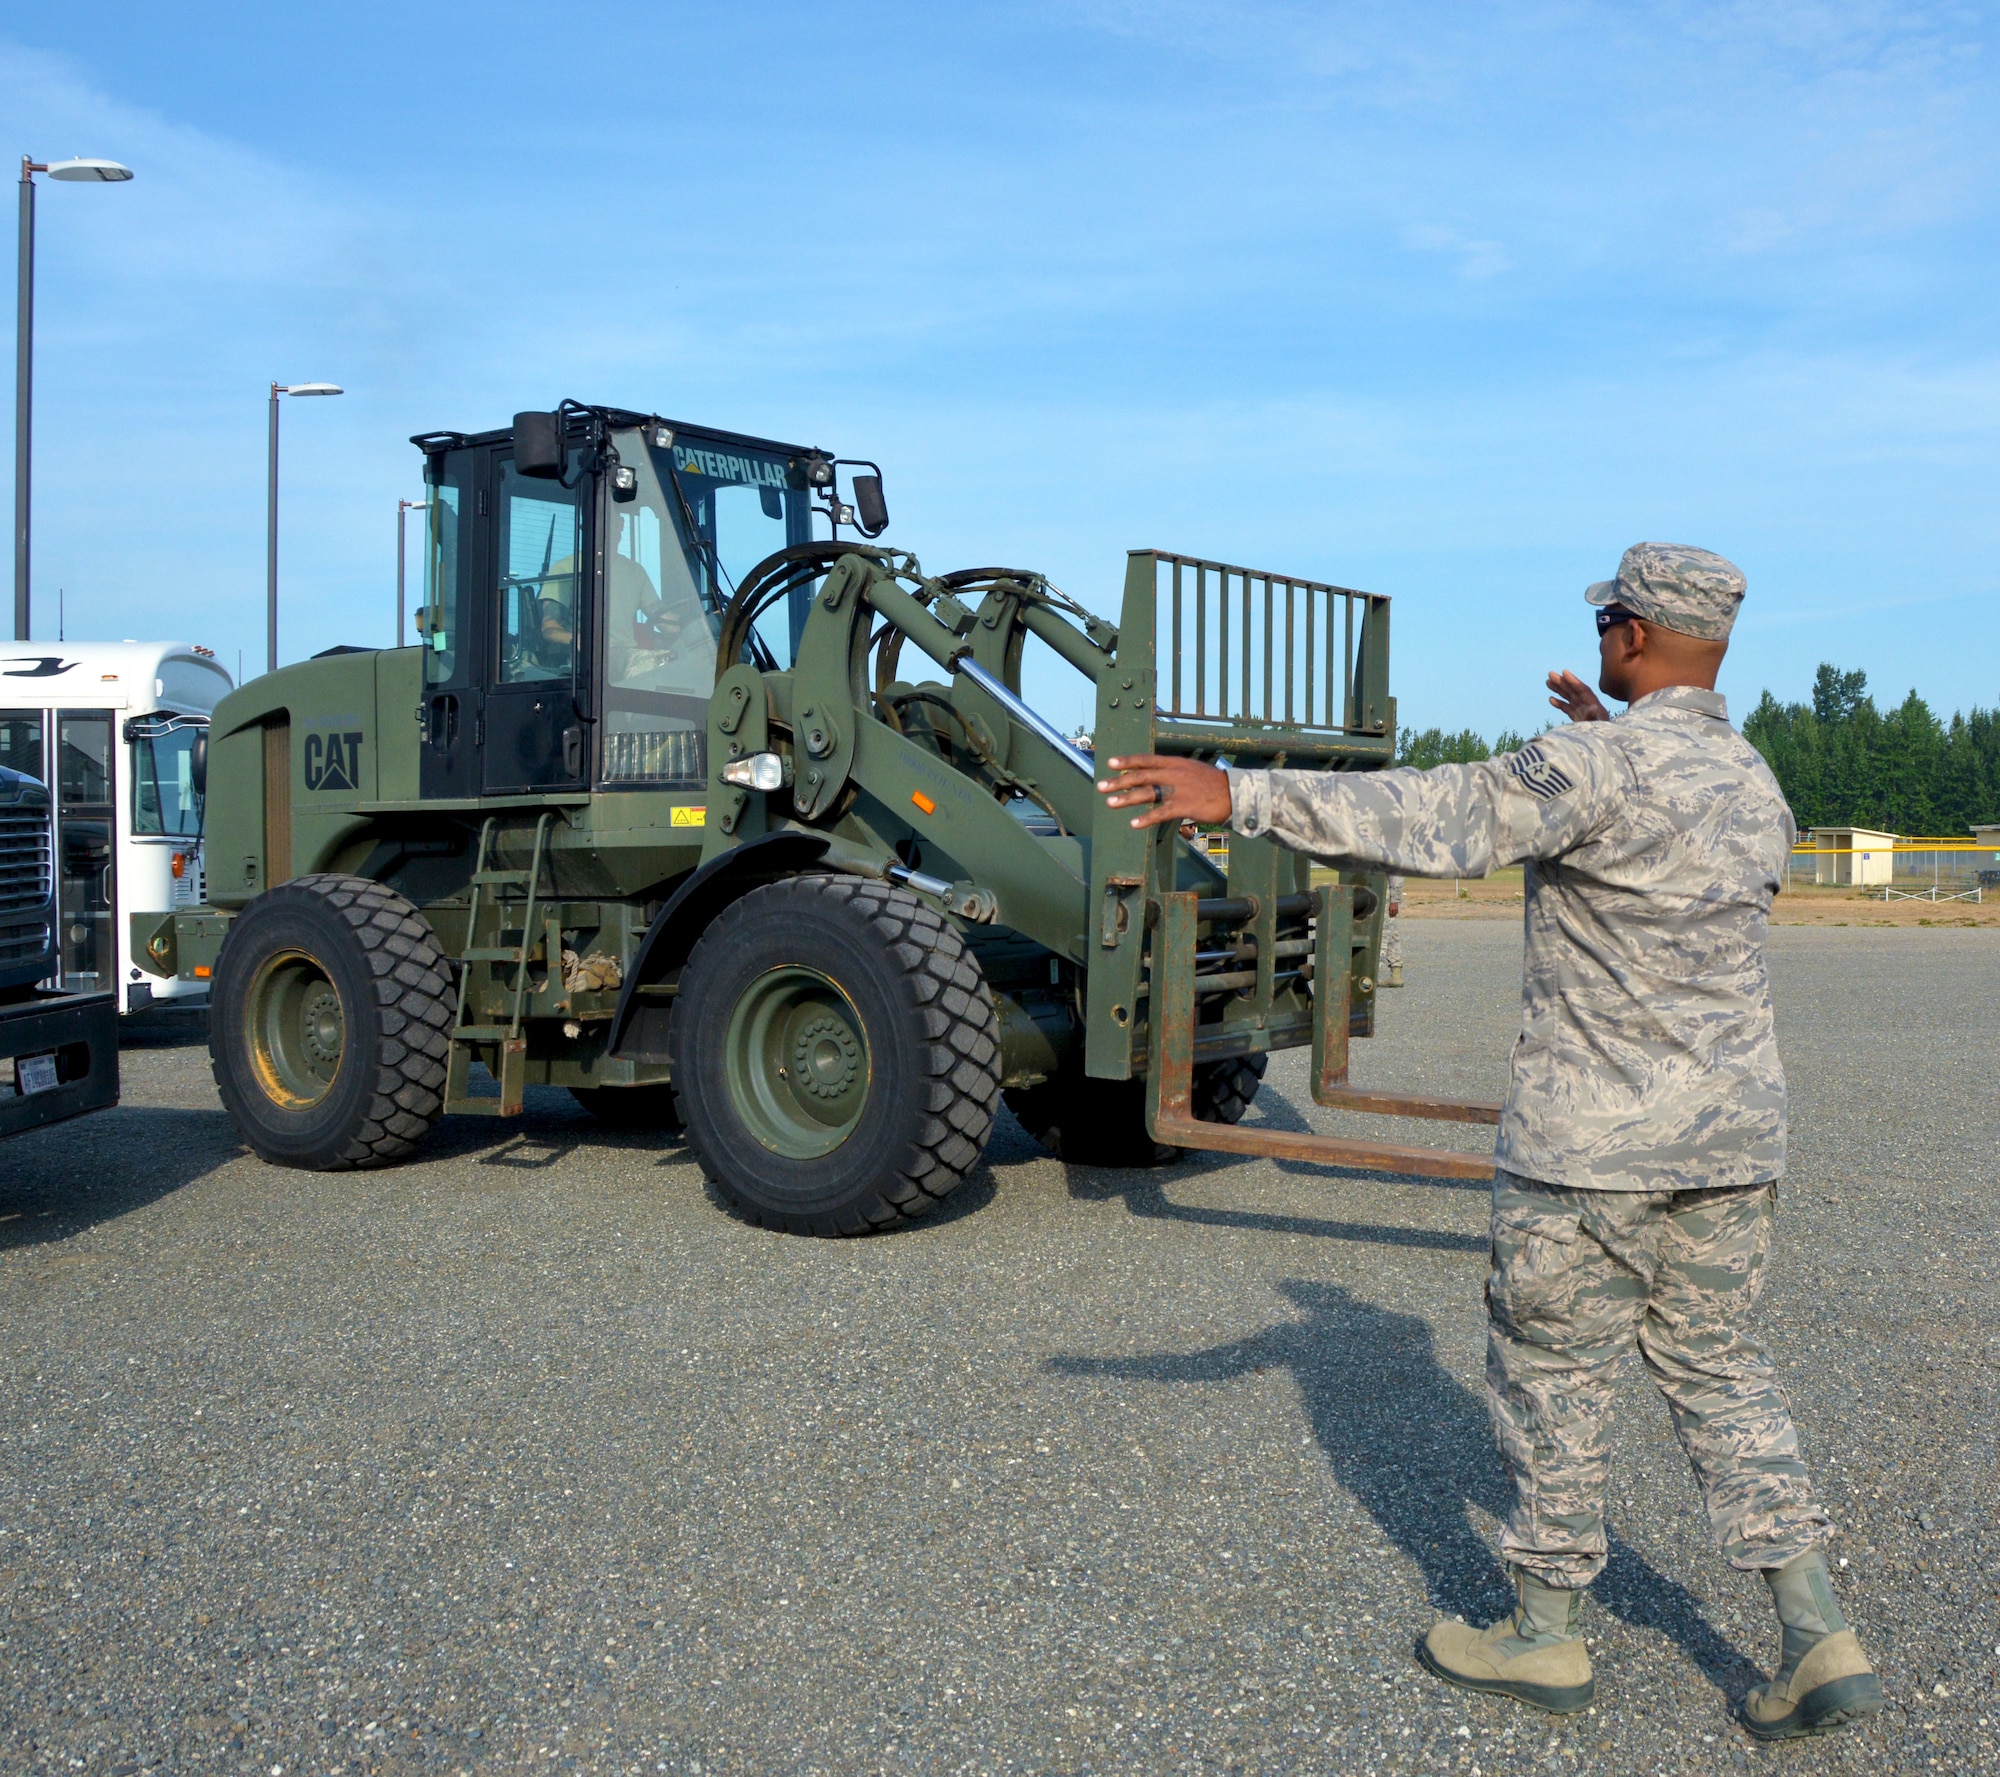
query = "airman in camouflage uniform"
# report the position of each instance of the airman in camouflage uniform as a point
(1643, 1132)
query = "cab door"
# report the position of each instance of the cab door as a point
(538, 622)
(452, 624)
(87, 849)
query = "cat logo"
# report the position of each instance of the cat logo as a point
(333, 761)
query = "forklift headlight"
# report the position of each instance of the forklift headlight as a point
(624, 482)
(760, 771)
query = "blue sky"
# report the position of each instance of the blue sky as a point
(1451, 303)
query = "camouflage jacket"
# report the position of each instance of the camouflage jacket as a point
(1653, 844)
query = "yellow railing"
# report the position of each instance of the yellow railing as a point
(1926, 846)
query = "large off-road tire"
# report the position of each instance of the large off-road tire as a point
(1223, 1089)
(836, 1055)
(630, 1107)
(329, 1022)
(1103, 1122)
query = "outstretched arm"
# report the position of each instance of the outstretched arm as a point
(1453, 820)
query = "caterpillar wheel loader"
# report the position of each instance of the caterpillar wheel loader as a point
(723, 824)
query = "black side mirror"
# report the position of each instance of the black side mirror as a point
(538, 445)
(869, 506)
(198, 764)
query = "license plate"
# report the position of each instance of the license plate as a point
(34, 1073)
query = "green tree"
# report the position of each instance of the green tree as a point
(1837, 695)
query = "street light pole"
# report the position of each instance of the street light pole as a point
(107, 172)
(24, 394)
(271, 518)
(271, 548)
(403, 508)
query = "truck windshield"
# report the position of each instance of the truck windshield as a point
(165, 802)
(743, 506)
(700, 519)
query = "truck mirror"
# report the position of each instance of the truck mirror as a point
(868, 502)
(538, 445)
(198, 763)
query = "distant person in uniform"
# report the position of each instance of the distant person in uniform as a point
(1392, 934)
(1643, 1134)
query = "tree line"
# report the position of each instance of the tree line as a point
(1426, 747)
(1844, 763)
(1840, 760)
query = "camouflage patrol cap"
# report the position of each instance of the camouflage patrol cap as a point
(1689, 590)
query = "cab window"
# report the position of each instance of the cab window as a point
(541, 574)
(438, 621)
(660, 625)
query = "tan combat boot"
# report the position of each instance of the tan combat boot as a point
(1394, 978)
(1536, 1655)
(1824, 1680)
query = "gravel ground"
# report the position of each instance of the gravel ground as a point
(526, 1457)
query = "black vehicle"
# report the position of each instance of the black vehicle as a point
(58, 1051)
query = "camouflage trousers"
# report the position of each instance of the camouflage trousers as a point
(1392, 944)
(1579, 1279)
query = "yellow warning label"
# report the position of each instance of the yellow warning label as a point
(690, 817)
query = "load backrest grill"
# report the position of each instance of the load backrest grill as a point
(1249, 647)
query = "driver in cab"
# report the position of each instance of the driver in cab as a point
(643, 630)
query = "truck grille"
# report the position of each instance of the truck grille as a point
(655, 756)
(24, 860)
(24, 883)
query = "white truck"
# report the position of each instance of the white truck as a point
(117, 731)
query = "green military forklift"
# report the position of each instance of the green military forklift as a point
(696, 800)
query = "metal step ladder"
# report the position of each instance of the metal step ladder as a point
(467, 1036)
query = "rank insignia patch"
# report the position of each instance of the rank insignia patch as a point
(1539, 774)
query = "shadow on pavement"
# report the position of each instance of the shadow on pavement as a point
(1413, 1446)
(58, 1181)
(162, 1028)
(1145, 1194)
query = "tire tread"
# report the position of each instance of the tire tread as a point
(415, 1000)
(960, 1038)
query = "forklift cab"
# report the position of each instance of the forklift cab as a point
(577, 570)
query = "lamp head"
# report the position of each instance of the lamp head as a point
(106, 172)
(309, 389)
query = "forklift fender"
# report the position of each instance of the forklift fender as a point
(686, 916)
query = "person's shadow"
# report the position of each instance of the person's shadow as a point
(1412, 1444)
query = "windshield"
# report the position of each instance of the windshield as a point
(674, 554)
(165, 802)
(742, 505)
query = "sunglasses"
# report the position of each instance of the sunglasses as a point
(1611, 615)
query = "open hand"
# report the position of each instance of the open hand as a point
(1170, 789)
(1575, 699)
